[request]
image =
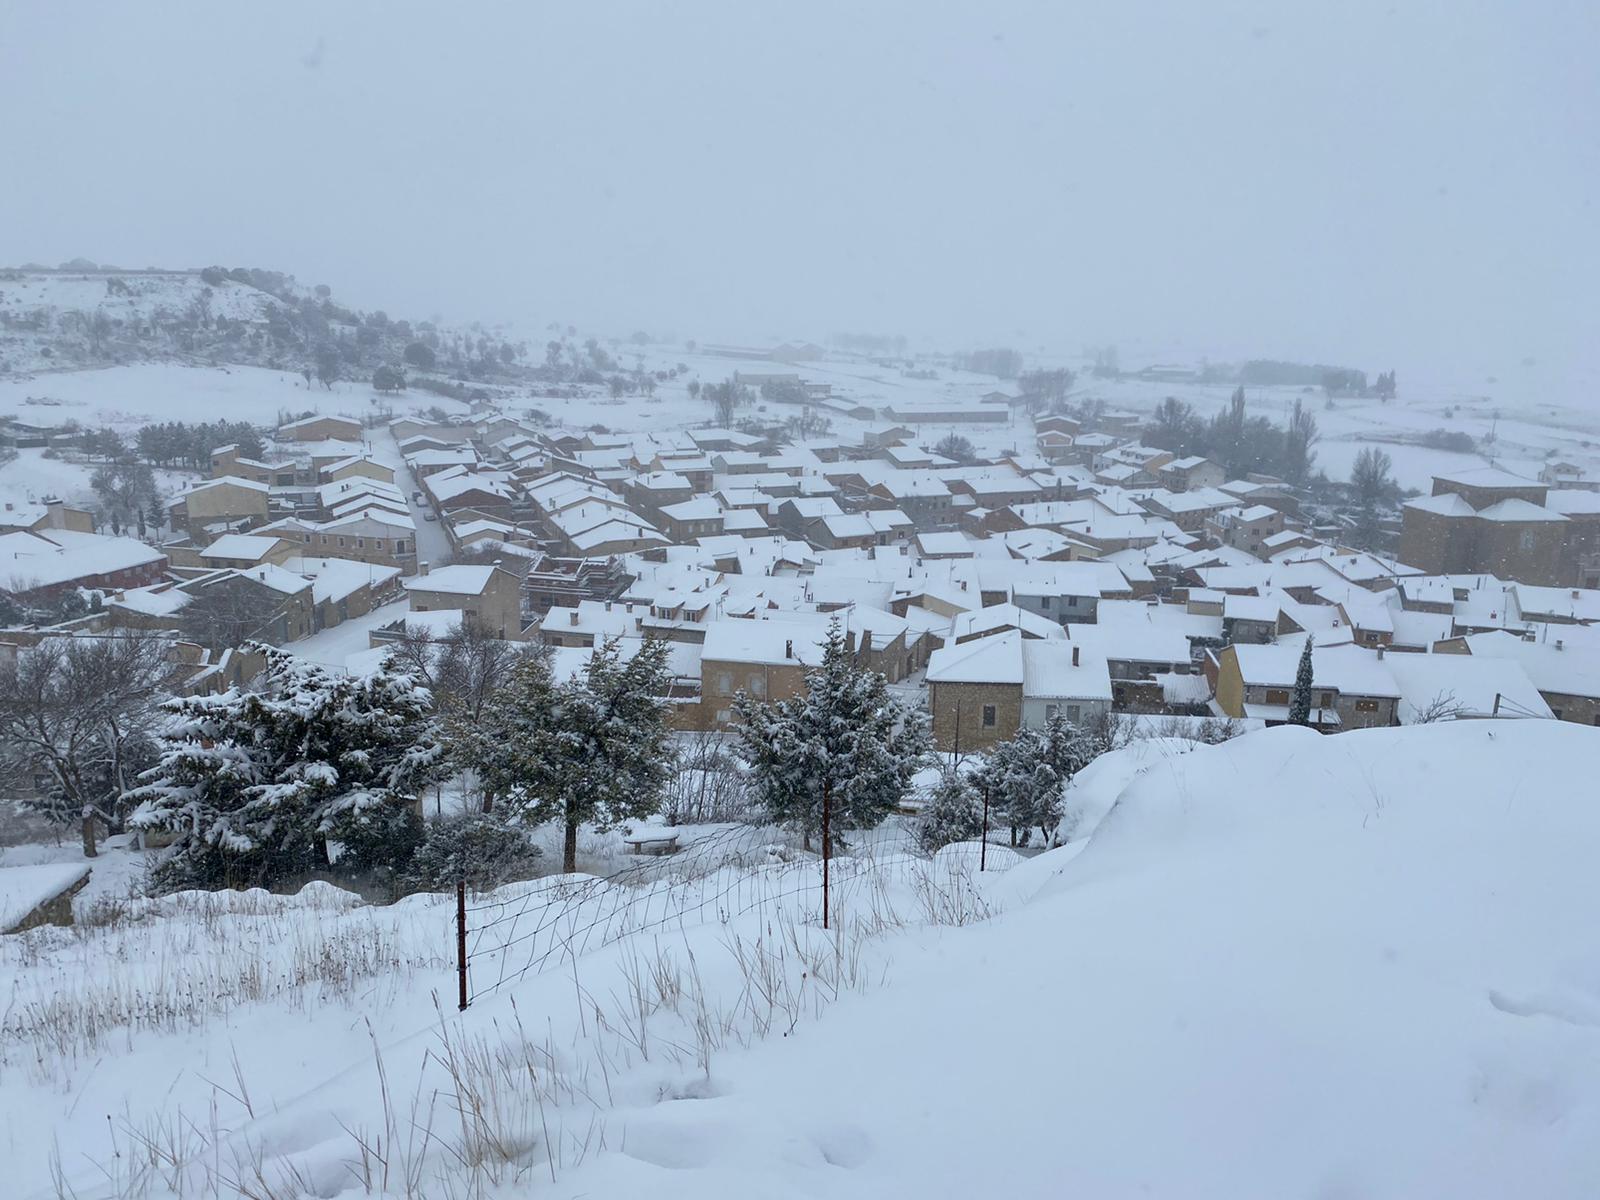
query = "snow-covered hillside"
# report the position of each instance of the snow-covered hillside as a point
(1283, 966)
(51, 320)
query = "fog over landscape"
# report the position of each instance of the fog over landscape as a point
(881, 601)
(1405, 183)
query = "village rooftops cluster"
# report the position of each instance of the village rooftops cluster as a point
(1077, 572)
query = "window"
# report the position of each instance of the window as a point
(378, 542)
(1277, 696)
(1527, 539)
(989, 716)
(1044, 603)
(724, 716)
(361, 543)
(1366, 706)
(724, 684)
(1073, 713)
(1325, 699)
(758, 685)
(1050, 711)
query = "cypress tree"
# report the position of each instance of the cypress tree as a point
(1300, 699)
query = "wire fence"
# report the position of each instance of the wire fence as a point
(717, 874)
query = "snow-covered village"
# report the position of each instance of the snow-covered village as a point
(742, 712)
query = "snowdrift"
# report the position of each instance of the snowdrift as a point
(1359, 966)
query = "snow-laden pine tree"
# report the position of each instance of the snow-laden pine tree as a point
(1025, 777)
(953, 813)
(1300, 698)
(846, 743)
(590, 750)
(257, 786)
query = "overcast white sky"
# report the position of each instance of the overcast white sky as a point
(1363, 182)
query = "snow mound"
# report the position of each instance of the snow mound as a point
(1289, 965)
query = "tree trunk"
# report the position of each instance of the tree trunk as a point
(569, 851)
(89, 849)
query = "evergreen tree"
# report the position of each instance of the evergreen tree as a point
(588, 751)
(1300, 698)
(954, 813)
(1025, 778)
(478, 849)
(846, 746)
(259, 786)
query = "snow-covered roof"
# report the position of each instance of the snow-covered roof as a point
(770, 643)
(249, 546)
(23, 889)
(1463, 685)
(459, 579)
(610, 531)
(204, 485)
(697, 508)
(1002, 616)
(55, 556)
(945, 544)
(993, 659)
(1556, 669)
(1348, 669)
(1446, 504)
(336, 578)
(1487, 477)
(1517, 510)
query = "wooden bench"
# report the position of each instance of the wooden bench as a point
(652, 843)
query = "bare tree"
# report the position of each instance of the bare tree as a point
(726, 398)
(81, 712)
(232, 610)
(1370, 477)
(1443, 707)
(463, 668)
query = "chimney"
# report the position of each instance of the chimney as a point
(1380, 651)
(1561, 644)
(788, 649)
(1075, 656)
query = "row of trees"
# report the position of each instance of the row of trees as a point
(314, 773)
(1240, 443)
(185, 444)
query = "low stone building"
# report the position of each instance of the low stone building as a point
(489, 596)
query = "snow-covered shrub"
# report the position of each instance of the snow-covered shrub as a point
(954, 813)
(476, 847)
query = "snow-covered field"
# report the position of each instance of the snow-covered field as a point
(128, 397)
(1283, 966)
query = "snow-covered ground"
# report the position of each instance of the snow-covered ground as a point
(1284, 966)
(128, 397)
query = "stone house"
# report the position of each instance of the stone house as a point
(489, 596)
